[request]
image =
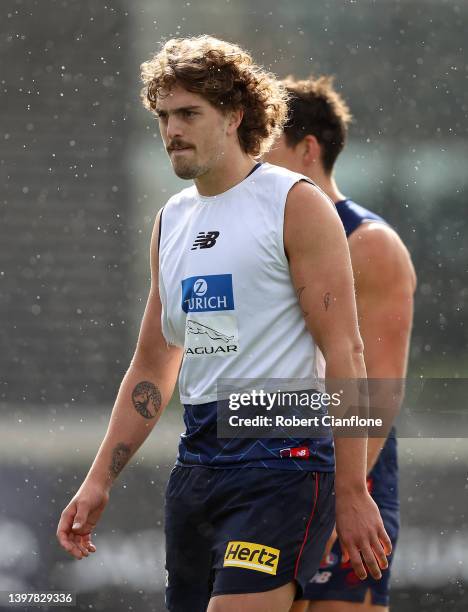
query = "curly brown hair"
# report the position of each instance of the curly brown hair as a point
(226, 76)
(316, 108)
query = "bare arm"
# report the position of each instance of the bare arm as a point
(322, 275)
(144, 393)
(321, 271)
(385, 284)
(145, 390)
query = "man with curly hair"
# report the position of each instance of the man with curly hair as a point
(313, 137)
(250, 278)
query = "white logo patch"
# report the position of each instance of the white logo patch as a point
(211, 335)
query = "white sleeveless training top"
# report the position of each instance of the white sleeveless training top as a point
(226, 290)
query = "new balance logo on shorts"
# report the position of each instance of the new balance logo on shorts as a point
(252, 556)
(205, 240)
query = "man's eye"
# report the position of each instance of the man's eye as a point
(189, 114)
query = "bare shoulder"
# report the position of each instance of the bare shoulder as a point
(304, 198)
(379, 256)
(310, 219)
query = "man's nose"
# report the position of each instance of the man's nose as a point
(174, 128)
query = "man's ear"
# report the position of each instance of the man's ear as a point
(234, 120)
(312, 150)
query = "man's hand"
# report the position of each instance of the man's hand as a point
(362, 534)
(80, 518)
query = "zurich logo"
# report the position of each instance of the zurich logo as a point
(207, 293)
(200, 287)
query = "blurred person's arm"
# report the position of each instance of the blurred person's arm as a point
(321, 272)
(143, 395)
(385, 282)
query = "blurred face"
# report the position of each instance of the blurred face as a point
(281, 154)
(193, 132)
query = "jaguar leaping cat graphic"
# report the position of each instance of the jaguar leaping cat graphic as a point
(193, 327)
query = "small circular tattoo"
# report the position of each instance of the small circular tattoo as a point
(146, 398)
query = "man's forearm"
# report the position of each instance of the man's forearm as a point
(386, 395)
(350, 452)
(139, 404)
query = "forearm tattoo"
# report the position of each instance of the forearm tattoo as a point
(146, 398)
(299, 293)
(120, 456)
(326, 300)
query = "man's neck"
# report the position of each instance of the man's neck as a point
(327, 183)
(227, 174)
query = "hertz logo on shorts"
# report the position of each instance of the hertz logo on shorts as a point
(252, 556)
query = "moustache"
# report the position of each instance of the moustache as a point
(177, 145)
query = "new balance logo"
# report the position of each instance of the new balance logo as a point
(205, 240)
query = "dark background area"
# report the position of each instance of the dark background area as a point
(127, 571)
